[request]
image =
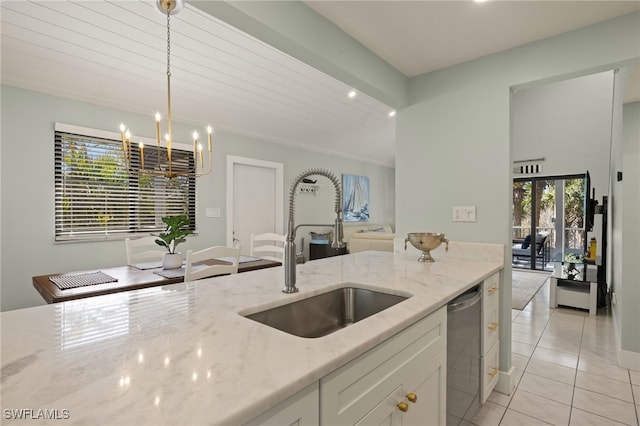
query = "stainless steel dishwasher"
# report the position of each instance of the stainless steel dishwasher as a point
(463, 356)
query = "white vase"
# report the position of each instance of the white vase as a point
(171, 260)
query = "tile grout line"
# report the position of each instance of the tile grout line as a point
(552, 313)
(550, 327)
(575, 377)
(633, 398)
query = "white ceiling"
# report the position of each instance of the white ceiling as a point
(113, 53)
(416, 37)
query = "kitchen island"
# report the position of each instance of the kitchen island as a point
(182, 353)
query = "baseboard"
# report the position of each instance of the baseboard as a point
(626, 359)
(629, 360)
(506, 382)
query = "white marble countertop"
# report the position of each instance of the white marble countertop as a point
(182, 354)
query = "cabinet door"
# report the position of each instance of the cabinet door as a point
(301, 409)
(429, 386)
(386, 413)
(352, 391)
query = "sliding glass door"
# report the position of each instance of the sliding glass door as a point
(548, 220)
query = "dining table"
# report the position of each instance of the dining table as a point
(60, 287)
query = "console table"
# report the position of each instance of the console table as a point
(579, 292)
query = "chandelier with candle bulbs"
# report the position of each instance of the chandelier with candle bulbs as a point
(166, 167)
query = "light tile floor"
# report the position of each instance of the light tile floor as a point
(565, 362)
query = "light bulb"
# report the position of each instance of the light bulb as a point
(209, 130)
(158, 116)
(122, 127)
(195, 135)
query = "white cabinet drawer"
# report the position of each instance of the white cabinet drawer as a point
(349, 393)
(490, 328)
(491, 292)
(490, 371)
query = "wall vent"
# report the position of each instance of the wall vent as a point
(527, 169)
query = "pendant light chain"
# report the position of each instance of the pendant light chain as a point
(168, 42)
(169, 132)
(166, 169)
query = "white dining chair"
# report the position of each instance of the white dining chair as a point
(270, 246)
(195, 272)
(143, 249)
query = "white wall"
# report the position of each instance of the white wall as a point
(568, 123)
(453, 145)
(27, 197)
(626, 201)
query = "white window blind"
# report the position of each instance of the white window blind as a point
(96, 197)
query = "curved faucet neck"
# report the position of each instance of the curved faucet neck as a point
(290, 245)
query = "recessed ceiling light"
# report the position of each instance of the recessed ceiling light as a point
(352, 94)
(392, 113)
(479, 1)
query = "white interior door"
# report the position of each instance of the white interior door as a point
(254, 200)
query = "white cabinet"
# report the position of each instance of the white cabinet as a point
(402, 381)
(301, 409)
(379, 386)
(489, 347)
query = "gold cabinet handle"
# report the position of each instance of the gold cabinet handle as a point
(494, 371)
(492, 290)
(402, 406)
(412, 397)
(493, 326)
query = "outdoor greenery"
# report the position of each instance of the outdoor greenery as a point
(545, 214)
(96, 195)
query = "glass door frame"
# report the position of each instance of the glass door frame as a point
(533, 217)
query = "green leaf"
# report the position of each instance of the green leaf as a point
(174, 233)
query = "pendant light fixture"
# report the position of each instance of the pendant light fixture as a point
(165, 165)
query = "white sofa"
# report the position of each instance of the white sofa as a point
(366, 236)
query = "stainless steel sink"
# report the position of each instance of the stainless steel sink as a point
(326, 313)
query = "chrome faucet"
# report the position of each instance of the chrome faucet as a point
(290, 245)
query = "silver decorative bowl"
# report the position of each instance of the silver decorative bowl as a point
(426, 241)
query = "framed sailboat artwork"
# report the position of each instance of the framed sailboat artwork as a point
(355, 198)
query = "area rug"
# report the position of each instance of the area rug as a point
(525, 285)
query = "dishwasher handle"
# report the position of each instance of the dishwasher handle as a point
(468, 300)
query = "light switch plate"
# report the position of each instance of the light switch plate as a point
(213, 211)
(464, 213)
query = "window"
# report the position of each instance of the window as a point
(97, 198)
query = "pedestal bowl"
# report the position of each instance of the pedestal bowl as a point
(426, 241)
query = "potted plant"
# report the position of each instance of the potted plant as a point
(174, 234)
(572, 259)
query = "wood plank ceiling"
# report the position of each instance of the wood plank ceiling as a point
(113, 53)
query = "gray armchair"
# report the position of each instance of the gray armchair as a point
(542, 249)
